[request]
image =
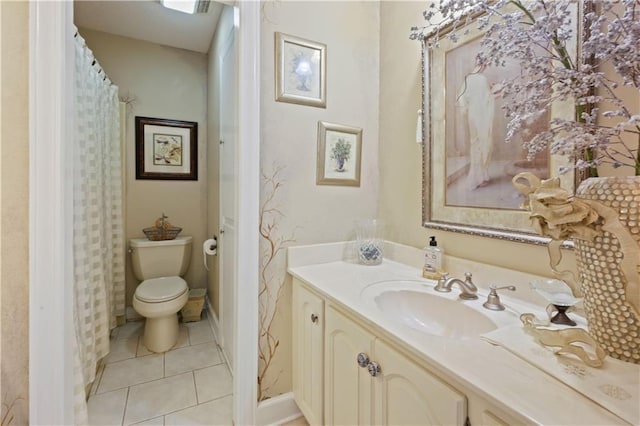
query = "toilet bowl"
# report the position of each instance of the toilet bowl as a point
(162, 292)
(159, 300)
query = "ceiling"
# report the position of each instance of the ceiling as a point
(148, 20)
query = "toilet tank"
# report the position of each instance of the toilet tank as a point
(153, 259)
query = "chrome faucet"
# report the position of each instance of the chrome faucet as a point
(468, 290)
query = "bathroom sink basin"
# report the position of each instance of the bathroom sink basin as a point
(416, 306)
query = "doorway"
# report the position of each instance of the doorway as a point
(50, 357)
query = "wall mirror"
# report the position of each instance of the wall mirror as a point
(467, 165)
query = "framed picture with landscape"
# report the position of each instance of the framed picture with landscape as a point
(339, 151)
(166, 149)
(467, 165)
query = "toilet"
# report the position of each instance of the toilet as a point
(159, 265)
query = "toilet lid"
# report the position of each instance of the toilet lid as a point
(161, 289)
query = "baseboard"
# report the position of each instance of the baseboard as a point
(277, 410)
(213, 319)
(214, 323)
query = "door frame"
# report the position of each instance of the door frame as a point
(51, 69)
(50, 218)
(245, 384)
(229, 42)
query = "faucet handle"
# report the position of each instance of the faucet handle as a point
(467, 279)
(493, 300)
(441, 283)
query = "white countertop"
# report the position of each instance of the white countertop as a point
(520, 389)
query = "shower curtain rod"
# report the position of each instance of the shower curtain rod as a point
(95, 62)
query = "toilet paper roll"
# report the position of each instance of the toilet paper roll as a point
(209, 248)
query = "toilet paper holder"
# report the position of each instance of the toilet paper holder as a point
(209, 248)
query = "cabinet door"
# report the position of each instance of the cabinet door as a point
(347, 393)
(407, 394)
(490, 419)
(308, 352)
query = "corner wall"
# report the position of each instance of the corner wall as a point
(14, 211)
(400, 199)
(163, 82)
(310, 213)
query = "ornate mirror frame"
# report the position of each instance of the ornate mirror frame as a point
(511, 224)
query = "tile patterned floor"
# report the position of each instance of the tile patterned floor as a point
(188, 385)
(300, 421)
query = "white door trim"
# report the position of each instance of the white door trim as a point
(223, 167)
(245, 386)
(51, 225)
(51, 69)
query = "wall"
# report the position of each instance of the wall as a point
(14, 211)
(225, 23)
(306, 212)
(400, 197)
(163, 82)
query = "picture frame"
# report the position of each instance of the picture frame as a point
(300, 71)
(454, 198)
(166, 149)
(339, 154)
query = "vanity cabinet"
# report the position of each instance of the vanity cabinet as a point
(344, 375)
(348, 387)
(369, 382)
(407, 394)
(344, 330)
(308, 353)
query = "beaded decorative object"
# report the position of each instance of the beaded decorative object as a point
(612, 320)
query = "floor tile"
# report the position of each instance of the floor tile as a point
(200, 332)
(191, 358)
(114, 333)
(142, 349)
(213, 382)
(133, 328)
(120, 349)
(300, 421)
(156, 389)
(159, 397)
(183, 340)
(107, 408)
(158, 421)
(96, 381)
(216, 412)
(129, 372)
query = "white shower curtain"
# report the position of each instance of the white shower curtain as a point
(98, 249)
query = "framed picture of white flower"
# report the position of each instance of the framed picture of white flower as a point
(339, 151)
(300, 70)
(166, 149)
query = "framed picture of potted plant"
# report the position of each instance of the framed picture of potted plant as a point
(339, 151)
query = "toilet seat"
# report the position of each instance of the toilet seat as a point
(163, 289)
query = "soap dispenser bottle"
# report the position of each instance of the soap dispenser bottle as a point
(432, 260)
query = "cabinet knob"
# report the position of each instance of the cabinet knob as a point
(363, 359)
(314, 318)
(374, 368)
